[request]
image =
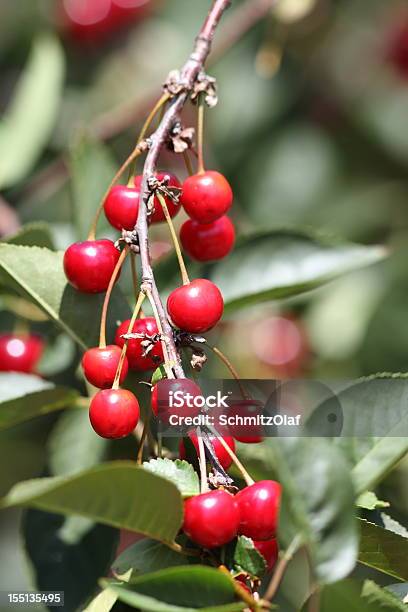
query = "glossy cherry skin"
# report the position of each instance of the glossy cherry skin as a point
(122, 206)
(89, 265)
(240, 410)
(208, 241)
(269, 550)
(206, 196)
(211, 519)
(20, 353)
(222, 455)
(160, 399)
(158, 215)
(135, 351)
(114, 413)
(100, 365)
(259, 509)
(196, 307)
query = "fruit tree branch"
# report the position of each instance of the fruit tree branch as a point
(188, 76)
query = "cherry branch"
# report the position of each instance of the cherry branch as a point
(158, 139)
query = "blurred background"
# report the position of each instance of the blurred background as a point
(311, 130)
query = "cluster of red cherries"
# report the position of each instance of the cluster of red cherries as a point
(195, 307)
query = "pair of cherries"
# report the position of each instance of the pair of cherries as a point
(215, 518)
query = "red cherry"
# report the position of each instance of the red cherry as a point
(122, 206)
(100, 365)
(114, 413)
(136, 353)
(269, 550)
(211, 519)
(222, 455)
(397, 51)
(160, 400)
(20, 353)
(259, 509)
(89, 265)
(208, 241)
(206, 196)
(241, 410)
(196, 307)
(158, 214)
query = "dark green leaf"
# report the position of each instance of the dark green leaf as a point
(118, 494)
(32, 113)
(180, 588)
(383, 550)
(317, 503)
(33, 234)
(282, 263)
(147, 556)
(68, 554)
(38, 275)
(30, 404)
(181, 473)
(248, 558)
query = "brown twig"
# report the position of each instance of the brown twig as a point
(189, 73)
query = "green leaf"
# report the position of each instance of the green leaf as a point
(103, 602)
(351, 596)
(92, 169)
(180, 472)
(317, 503)
(180, 588)
(278, 264)
(384, 550)
(73, 445)
(375, 426)
(67, 554)
(158, 374)
(32, 113)
(385, 600)
(147, 556)
(117, 493)
(248, 558)
(37, 274)
(369, 501)
(28, 405)
(33, 234)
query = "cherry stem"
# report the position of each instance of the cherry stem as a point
(139, 458)
(168, 366)
(281, 568)
(159, 104)
(124, 347)
(200, 134)
(240, 591)
(203, 463)
(230, 367)
(191, 552)
(135, 279)
(248, 479)
(134, 154)
(102, 330)
(182, 265)
(187, 163)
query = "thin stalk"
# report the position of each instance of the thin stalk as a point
(248, 479)
(182, 265)
(139, 458)
(200, 135)
(135, 279)
(240, 591)
(203, 463)
(168, 366)
(159, 445)
(102, 330)
(230, 367)
(124, 348)
(134, 154)
(281, 568)
(187, 163)
(191, 552)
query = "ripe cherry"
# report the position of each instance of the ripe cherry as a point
(114, 413)
(20, 353)
(89, 265)
(157, 215)
(139, 356)
(241, 411)
(211, 519)
(222, 455)
(206, 196)
(269, 550)
(166, 389)
(208, 241)
(259, 509)
(100, 364)
(122, 206)
(196, 307)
